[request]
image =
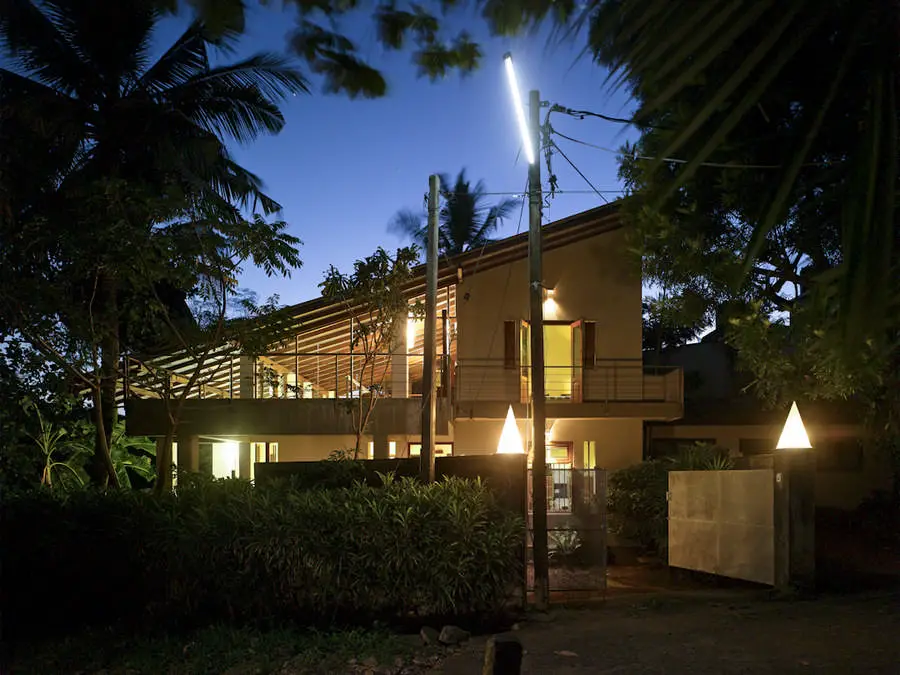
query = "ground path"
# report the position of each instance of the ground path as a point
(709, 632)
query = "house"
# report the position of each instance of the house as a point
(290, 403)
(719, 410)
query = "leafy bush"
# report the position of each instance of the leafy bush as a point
(224, 550)
(637, 504)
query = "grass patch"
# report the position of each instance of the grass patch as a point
(215, 650)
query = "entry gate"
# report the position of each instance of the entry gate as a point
(576, 530)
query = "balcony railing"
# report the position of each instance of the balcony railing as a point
(492, 380)
(343, 375)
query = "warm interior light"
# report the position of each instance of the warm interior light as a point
(517, 104)
(231, 450)
(510, 438)
(793, 436)
(410, 334)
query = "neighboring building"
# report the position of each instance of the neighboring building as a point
(718, 410)
(290, 404)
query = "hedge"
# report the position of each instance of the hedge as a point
(225, 550)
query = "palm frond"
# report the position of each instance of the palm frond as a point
(29, 36)
(186, 58)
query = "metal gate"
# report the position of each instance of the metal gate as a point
(576, 530)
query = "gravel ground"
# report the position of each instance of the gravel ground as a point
(709, 633)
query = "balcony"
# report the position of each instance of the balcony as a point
(484, 388)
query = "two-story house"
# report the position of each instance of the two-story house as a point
(290, 404)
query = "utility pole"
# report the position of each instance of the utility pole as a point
(429, 385)
(539, 416)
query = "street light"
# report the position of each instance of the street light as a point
(519, 108)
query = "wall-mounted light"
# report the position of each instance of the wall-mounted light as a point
(510, 438)
(550, 305)
(793, 435)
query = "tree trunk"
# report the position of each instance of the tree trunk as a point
(163, 482)
(102, 471)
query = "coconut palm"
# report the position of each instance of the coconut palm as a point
(466, 222)
(102, 147)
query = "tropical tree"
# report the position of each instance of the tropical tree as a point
(117, 172)
(466, 221)
(373, 297)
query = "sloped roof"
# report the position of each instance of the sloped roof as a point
(320, 323)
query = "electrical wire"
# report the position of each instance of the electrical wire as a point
(578, 171)
(581, 114)
(673, 160)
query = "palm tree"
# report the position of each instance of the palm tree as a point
(466, 222)
(101, 147)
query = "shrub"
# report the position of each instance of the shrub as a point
(636, 500)
(225, 550)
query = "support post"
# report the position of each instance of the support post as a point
(536, 293)
(429, 402)
(795, 520)
(188, 454)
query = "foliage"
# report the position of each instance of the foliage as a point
(120, 198)
(49, 441)
(226, 551)
(465, 221)
(667, 324)
(374, 298)
(636, 501)
(339, 471)
(211, 651)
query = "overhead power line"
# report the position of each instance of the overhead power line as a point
(581, 114)
(675, 160)
(579, 172)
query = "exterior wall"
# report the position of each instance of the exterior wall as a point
(619, 442)
(840, 489)
(592, 279)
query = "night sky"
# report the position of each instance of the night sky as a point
(342, 168)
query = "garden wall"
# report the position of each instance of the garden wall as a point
(722, 522)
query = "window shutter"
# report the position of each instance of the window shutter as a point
(589, 345)
(509, 344)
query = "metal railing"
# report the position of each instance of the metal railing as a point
(603, 381)
(568, 488)
(342, 375)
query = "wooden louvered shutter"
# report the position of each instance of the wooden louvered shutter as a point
(589, 348)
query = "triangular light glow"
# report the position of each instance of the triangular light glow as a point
(793, 436)
(510, 438)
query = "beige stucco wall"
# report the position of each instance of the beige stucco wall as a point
(834, 489)
(618, 441)
(592, 280)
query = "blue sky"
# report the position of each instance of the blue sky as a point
(342, 168)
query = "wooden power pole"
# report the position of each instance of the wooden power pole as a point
(539, 415)
(429, 384)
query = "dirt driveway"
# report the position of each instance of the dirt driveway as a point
(709, 633)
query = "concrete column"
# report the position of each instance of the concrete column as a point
(400, 361)
(246, 369)
(189, 454)
(382, 448)
(795, 520)
(245, 461)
